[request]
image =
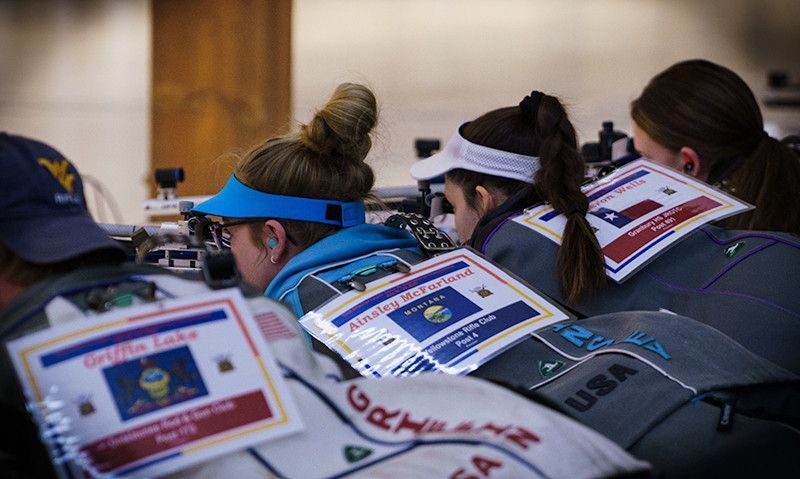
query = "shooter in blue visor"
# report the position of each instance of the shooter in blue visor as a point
(293, 211)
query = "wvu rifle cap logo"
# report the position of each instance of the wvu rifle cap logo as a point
(43, 215)
(60, 171)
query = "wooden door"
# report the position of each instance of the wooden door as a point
(221, 83)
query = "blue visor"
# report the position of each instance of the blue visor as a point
(237, 200)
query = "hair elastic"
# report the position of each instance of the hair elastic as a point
(529, 106)
(578, 210)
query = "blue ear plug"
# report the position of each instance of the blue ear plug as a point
(272, 242)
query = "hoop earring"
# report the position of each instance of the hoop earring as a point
(272, 259)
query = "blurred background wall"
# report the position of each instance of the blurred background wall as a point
(78, 73)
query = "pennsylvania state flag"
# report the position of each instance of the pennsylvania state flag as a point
(153, 382)
(426, 316)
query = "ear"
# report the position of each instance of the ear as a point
(486, 200)
(691, 163)
(273, 233)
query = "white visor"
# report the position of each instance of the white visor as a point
(463, 154)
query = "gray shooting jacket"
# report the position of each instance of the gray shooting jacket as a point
(746, 284)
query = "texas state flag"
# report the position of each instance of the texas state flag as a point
(623, 217)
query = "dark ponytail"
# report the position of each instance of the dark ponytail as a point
(580, 263)
(539, 126)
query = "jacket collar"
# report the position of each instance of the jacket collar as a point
(514, 205)
(344, 245)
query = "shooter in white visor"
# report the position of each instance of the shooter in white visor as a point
(512, 158)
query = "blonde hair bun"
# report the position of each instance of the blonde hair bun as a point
(342, 127)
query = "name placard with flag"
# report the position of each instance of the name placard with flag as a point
(638, 212)
(151, 389)
(450, 313)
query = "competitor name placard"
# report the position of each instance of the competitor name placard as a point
(638, 212)
(451, 313)
(154, 388)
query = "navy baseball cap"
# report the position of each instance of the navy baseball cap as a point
(43, 215)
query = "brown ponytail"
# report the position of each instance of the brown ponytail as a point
(325, 159)
(770, 179)
(580, 262)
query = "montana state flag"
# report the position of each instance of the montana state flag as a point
(426, 316)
